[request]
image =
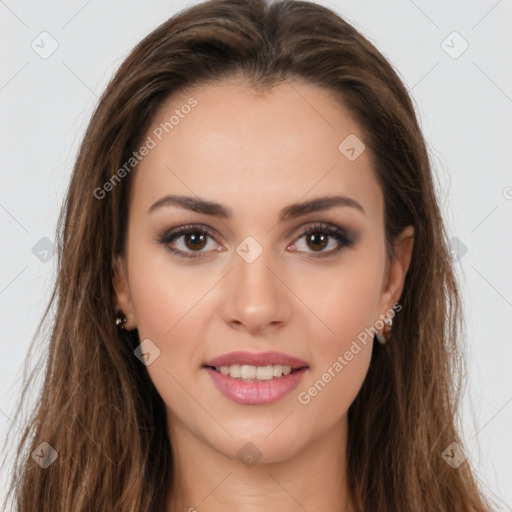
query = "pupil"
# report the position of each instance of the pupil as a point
(196, 240)
(314, 236)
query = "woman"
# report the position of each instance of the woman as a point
(256, 305)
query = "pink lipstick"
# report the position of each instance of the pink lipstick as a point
(256, 378)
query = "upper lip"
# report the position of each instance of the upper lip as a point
(256, 359)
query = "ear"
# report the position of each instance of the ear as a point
(122, 295)
(394, 279)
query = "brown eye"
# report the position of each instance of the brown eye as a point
(319, 236)
(317, 241)
(191, 240)
(195, 241)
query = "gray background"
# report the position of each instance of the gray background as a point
(464, 100)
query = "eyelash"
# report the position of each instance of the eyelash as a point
(340, 235)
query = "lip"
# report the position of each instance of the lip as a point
(256, 393)
(256, 359)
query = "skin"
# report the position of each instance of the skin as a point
(257, 154)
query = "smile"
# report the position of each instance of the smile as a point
(255, 385)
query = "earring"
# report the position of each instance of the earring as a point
(120, 319)
(383, 337)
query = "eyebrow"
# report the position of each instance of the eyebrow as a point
(290, 212)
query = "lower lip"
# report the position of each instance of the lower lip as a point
(256, 393)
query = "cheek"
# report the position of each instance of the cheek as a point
(171, 305)
(168, 305)
(164, 291)
(341, 334)
(332, 387)
(344, 300)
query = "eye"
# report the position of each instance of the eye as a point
(195, 238)
(317, 236)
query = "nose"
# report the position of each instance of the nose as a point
(255, 296)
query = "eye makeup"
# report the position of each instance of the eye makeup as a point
(326, 230)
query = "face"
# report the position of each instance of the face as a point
(254, 279)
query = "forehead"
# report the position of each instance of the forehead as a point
(228, 143)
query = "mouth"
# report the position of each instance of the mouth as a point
(249, 373)
(250, 378)
(255, 385)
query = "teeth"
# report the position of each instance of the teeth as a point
(247, 372)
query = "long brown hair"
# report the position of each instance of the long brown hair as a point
(98, 408)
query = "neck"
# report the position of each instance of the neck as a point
(313, 478)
